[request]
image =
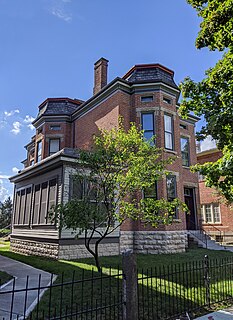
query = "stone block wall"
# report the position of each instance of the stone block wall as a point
(153, 242)
(42, 249)
(71, 252)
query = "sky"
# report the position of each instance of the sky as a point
(48, 49)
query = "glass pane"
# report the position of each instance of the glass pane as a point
(150, 192)
(168, 140)
(216, 213)
(184, 144)
(148, 135)
(208, 213)
(167, 123)
(185, 159)
(147, 121)
(171, 187)
(54, 145)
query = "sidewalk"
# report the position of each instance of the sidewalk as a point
(20, 271)
(225, 314)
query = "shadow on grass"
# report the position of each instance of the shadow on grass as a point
(164, 291)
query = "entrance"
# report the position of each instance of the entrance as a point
(189, 199)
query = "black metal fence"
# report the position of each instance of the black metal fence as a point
(97, 297)
(162, 293)
(168, 292)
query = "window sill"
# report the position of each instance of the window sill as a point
(185, 167)
(176, 220)
(170, 151)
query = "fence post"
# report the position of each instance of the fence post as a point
(130, 285)
(207, 280)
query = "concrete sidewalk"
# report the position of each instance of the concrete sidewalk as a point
(225, 314)
(20, 271)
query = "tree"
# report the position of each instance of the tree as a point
(213, 96)
(108, 184)
(6, 213)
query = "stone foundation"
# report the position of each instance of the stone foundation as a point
(35, 248)
(146, 242)
(71, 252)
(153, 242)
(55, 251)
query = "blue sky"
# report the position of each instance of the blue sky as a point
(48, 48)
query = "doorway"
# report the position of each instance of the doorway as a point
(189, 198)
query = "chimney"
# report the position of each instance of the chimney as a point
(100, 74)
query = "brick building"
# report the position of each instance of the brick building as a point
(216, 215)
(146, 95)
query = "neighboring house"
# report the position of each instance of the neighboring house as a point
(147, 95)
(216, 215)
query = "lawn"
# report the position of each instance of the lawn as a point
(168, 291)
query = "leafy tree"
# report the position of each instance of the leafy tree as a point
(213, 96)
(109, 183)
(6, 213)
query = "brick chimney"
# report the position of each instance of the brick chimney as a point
(100, 74)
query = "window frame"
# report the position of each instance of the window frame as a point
(187, 153)
(146, 99)
(212, 205)
(170, 133)
(169, 199)
(39, 155)
(155, 196)
(153, 124)
(59, 145)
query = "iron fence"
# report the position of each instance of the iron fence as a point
(168, 292)
(162, 293)
(97, 297)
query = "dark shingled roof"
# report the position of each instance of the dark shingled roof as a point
(59, 106)
(150, 73)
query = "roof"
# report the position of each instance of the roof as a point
(150, 73)
(58, 106)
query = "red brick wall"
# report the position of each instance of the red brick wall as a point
(210, 195)
(104, 116)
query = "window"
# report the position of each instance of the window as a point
(54, 146)
(147, 98)
(39, 151)
(171, 190)
(167, 100)
(210, 213)
(171, 187)
(151, 192)
(183, 126)
(55, 127)
(147, 120)
(168, 129)
(184, 143)
(22, 206)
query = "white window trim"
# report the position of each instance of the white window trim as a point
(203, 213)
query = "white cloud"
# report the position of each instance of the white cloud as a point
(28, 119)
(61, 14)
(58, 10)
(11, 113)
(5, 190)
(208, 143)
(16, 127)
(15, 170)
(4, 176)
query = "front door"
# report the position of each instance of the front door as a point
(191, 215)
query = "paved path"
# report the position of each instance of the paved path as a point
(20, 271)
(225, 314)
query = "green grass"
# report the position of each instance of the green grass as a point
(168, 292)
